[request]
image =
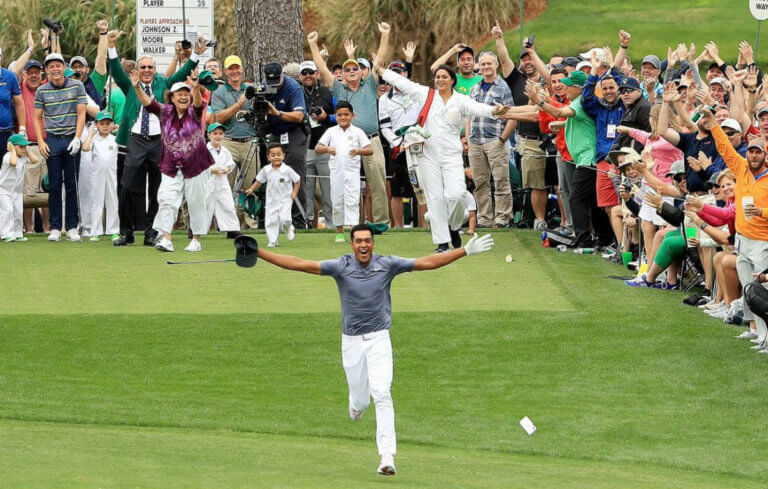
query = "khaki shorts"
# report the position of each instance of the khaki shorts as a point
(33, 174)
(533, 167)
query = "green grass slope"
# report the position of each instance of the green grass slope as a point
(572, 27)
(629, 388)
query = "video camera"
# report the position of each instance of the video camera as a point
(260, 97)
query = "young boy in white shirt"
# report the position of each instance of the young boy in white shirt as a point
(282, 187)
(346, 144)
(219, 201)
(12, 188)
(101, 147)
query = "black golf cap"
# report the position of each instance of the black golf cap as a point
(246, 251)
(272, 72)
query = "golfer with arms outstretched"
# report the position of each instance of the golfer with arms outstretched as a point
(363, 279)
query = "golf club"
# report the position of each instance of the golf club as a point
(198, 261)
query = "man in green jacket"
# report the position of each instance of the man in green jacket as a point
(139, 132)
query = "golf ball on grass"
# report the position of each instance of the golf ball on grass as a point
(508, 258)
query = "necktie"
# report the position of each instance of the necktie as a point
(145, 115)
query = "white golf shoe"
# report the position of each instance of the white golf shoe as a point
(387, 466)
(55, 235)
(164, 244)
(746, 335)
(354, 414)
(194, 245)
(73, 235)
(291, 233)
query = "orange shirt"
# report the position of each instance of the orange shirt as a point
(746, 185)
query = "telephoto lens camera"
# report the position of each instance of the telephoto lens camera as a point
(315, 111)
(55, 26)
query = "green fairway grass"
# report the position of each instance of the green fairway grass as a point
(214, 376)
(572, 27)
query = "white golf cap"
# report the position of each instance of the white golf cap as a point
(598, 52)
(54, 57)
(180, 86)
(307, 65)
(719, 80)
(731, 124)
(584, 64)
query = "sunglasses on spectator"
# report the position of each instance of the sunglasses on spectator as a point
(714, 185)
(349, 70)
(679, 178)
(729, 133)
(146, 67)
(307, 72)
(622, 91)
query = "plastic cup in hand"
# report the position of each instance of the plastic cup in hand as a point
(745, 201)
(626, 257)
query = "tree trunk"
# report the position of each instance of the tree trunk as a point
(269, 30)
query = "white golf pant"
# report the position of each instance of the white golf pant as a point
(103, 197)
(345, 196)
(11, 215)
(221, 204)
(753, 258)
(443, 185)
(169, 200)
(277, 217)
(84, 188)
(367, 361)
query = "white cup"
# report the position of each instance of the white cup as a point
(745, 201)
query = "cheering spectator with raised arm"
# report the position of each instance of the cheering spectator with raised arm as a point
(466, 78)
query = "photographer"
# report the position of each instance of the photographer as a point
(320, 104)
(226, 102)
(286, 125)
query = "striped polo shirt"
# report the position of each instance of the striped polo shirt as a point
(59, 106)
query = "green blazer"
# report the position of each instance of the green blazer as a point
(132, 105)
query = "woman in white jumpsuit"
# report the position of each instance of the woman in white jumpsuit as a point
(441, 168)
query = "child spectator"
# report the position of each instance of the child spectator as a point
(219, 201)
(346, 144)
(102, 148)
(280, 194)
(470, 212)
(12, 188)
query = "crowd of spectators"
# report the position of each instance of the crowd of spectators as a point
(661, 162)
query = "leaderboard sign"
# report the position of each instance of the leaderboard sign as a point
(160, 23)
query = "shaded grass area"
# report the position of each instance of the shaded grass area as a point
(629, 388)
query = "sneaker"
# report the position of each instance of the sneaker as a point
(640, 281)
(194, 245)
(151, 238)
(712, 306)
(164, 244)
(539, 224)
(759, 346)
(666, 286)
(85, 233)
(387, 466)
(442, 247)
(746, 335)
(291, 233)
(21, 239)
(114, 237)
(719, 313)
(93, 238)
(339, 238)
(9, 239)
(272, 244)
(55, 235)
(354, 414)
(764, 351)
(73, 235)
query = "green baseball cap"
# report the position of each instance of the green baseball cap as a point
(18, 140)
(575, 79)
(68, 72)
(250, 204)
(214, 126)
(104, 114)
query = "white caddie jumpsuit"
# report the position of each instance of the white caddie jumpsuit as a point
(219, 201)
(277, 208)
(345, 172)
(12, 197)
(441, 167)
(103, 187)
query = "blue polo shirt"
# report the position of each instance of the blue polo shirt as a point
(289, 98)
(9, 86)
(366, 305)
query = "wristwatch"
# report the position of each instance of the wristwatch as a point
(540, 103)
(703, 225)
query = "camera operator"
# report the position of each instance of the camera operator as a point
(319, 101)
(286, 125)
(226, 102)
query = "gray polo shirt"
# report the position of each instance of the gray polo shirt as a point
(366, 305)
(225, 96)
(363, 100)
(59, 106)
